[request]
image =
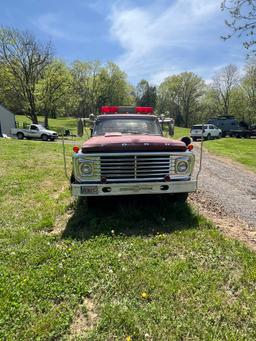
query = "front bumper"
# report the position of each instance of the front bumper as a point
(198, 135)
(133, 188)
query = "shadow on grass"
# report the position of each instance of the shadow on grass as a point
(128, 215)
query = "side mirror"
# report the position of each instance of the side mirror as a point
(186, 140)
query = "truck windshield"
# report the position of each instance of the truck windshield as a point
(145, 126)
(198, 127)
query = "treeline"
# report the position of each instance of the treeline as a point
(33, 81)
(189, 99)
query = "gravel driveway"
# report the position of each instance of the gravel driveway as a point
(226, 186)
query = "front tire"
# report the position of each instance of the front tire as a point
(194, 139)
(20, 136)
(44, 137)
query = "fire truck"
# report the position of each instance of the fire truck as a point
(127, 154)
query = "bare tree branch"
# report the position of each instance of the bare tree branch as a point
(242, 21)
(26, 59)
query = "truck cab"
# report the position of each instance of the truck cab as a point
(127, 154)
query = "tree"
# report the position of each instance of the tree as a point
(224, 82)
(242, 20)
(25, 60)
(249, 88)
(191, 90)
(115, 89)
(146, 94)
(181, 94)
(10, 93)
(86, 86)
(52, 89)
(168, 98)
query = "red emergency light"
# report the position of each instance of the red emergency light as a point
(109, 109)
(125, 109)
(145, 110)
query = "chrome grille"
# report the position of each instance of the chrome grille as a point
(136, 167)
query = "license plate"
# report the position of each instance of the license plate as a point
(89, 190)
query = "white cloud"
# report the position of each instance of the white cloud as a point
(56, 26)
(158, 42)
(49, 23)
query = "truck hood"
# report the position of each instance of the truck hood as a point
(48, 131)
(117, 142)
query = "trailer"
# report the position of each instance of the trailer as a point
(231, 127)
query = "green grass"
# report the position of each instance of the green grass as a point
(180, 132)
(239, 150)
(198, 285)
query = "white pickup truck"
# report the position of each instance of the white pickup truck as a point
(35, 131)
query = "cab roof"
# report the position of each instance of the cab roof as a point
(100, 117)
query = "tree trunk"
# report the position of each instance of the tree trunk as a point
(46, 124)
(34, 118)
(186, 117)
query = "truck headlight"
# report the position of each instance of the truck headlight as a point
(182, 166)
(86, 168)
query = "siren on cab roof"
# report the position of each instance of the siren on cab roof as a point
(125, 109)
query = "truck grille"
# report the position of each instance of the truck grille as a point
(136, 167)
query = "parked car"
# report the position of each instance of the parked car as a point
(127, 154)
(35, 131)
(209, 132)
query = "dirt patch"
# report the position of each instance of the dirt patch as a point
(231, 227)
(61, 222)
(84, 321)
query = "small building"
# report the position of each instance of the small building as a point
(7, 121)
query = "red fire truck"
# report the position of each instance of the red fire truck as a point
(127, 154)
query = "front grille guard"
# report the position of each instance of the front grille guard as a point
(133, 167)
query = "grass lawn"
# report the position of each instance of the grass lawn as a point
(180, 132)
(240, 150)
(126, 269)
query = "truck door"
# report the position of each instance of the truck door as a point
(33, 131)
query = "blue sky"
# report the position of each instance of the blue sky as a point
(147, 39)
